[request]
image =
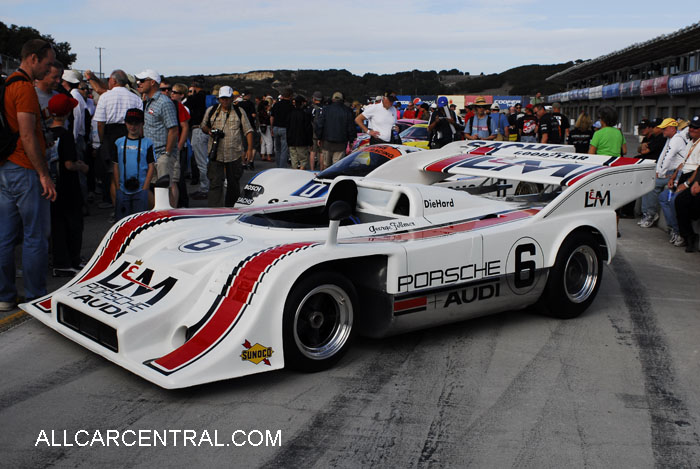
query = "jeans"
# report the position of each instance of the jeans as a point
(667, 201)
(281, 149)
(23, 207)
(128, 204)
(200, 141)
(650, 200)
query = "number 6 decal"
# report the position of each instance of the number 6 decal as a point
(524, 258)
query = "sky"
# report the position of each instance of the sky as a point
(181, 37)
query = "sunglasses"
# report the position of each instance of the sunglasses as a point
(166, 88)
(177, 92)
(142, 80)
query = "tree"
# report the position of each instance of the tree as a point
(13, 38)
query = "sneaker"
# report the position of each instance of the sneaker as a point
(649, 221)
(672, 236)
(679, 241)
(64, 272)
(6, 306)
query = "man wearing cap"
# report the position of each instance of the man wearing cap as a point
(109, 115)
(479, 126)
(335, 127)
(160, 125)
(500, 123)
(443, 124)
(688, 192)
(67, 209)
(71, 82)
(669, 159)
(226, 152)
(25, 183)
(380, 118)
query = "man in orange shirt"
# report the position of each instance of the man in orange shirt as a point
(25, 184)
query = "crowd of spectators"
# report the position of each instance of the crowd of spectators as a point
(82, 137)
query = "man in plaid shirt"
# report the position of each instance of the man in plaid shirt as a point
(161, 127)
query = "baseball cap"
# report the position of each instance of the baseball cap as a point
(657, 122)
(495, 107)
(433, 106)
(377, 98)
(529, 106)
(695, 122)
(442, 101)
(317, 95)
(337, 96)
(149, 73)
(236, 93)
(644, 123)
(225, 92)
(61, 104)
(597, 125)
(668, 122)
(134, 116)
(72, 76)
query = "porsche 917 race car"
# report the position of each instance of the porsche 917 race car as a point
(190, 296)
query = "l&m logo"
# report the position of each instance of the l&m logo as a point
(256, 353)
(134, 280)
(597, 199)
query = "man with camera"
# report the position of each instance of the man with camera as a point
(227, 126)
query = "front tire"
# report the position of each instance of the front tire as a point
(574, 281)
(318, 321)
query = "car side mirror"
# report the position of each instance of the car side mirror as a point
(339, 210)
(162, 193)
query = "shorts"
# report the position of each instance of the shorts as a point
(168, 163)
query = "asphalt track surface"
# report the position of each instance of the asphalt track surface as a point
(616, 387)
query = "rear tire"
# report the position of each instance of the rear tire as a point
(574, 281)
(318, 321)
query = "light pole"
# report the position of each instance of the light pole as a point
(100, 49)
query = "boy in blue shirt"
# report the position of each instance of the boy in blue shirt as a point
(133, 160)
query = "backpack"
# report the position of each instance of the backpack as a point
(8, 138)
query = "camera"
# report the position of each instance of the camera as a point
(131, 184)
(216, 136)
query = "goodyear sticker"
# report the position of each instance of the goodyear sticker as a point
(256, 353)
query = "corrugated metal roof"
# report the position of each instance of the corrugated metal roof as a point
(664, 46)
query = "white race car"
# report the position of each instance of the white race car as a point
(290, 185)
(183, 297)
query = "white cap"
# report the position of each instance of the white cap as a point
(433, 106)
(495, 107)
(149, 73)
(225, 92)
(378, 98)
(72, 76)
